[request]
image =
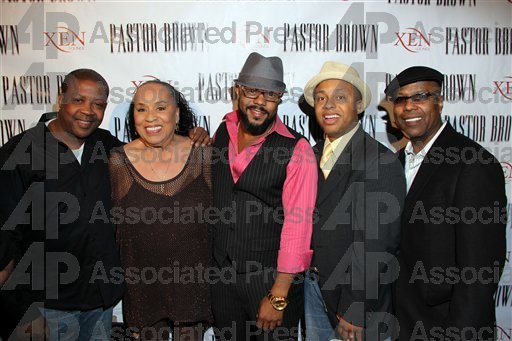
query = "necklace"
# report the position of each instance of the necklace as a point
(158, 176)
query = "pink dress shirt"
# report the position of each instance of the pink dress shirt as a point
(299, 193)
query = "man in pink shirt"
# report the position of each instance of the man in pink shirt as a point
(267, 174)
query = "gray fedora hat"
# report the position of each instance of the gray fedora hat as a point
(265, 73)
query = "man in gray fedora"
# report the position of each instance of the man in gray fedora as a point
(266, 173)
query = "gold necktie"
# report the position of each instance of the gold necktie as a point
(325, 163)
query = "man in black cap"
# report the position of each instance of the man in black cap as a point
(266, 174)
(453, 224)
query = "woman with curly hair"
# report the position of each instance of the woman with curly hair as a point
(161, 188)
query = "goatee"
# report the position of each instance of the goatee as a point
(256, 129)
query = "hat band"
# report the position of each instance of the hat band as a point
(261, 83)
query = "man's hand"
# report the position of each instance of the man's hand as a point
(35, 330)
(268, 318)
(199, 137)
(349, 331)
(6, 272)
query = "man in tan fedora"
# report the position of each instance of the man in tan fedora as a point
(361, 189)
(267, 173)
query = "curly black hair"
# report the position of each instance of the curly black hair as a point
(187, 117)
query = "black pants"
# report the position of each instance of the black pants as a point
(236, 299)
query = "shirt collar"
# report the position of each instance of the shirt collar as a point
(339, 144)
(278, 127)
(409, 150)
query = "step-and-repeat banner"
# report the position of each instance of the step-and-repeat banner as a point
(200, 47)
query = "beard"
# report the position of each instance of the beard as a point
(256, 129)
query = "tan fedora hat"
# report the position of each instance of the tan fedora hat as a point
(335, 70)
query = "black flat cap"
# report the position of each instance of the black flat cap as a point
(412, 75)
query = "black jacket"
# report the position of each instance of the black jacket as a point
(54, 218)
(357, 233)
(453, 242)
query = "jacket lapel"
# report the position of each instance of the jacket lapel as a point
(340, 173)
(429, 167)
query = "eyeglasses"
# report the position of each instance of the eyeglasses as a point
(418, 98)
(253, 93)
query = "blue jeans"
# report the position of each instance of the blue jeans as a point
(79, 325)
(318, 327)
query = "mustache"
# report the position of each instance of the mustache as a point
(256, 107)
(86, 117)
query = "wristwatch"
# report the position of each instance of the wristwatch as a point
(278, 303)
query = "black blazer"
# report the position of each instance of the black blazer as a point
(357, 232)
(450, 262)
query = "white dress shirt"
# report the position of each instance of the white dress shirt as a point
(414, 161)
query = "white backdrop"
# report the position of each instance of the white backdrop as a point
(200, 47)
